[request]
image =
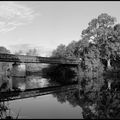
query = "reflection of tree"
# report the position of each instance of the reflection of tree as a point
(67, 96)
(60, 73)
(109, 104)
(106, 105)
(102, 103)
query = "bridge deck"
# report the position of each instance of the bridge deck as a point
(14, 95)
(36, 59)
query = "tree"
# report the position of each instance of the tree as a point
(59, 52)
(99, 32)
(70, 50)
(4, 50)
(4, 65)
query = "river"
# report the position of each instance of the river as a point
(46, 106)
(96, 100)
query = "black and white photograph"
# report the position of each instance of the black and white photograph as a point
(59, 59)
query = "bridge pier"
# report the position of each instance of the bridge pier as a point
(17, 72)
(18, 69)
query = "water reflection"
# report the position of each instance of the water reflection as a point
(23, 83)
(98, 98)
(45, 107)
(30, 82)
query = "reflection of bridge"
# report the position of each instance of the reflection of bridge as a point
(16, 59)
(14, 95)
(36, 59)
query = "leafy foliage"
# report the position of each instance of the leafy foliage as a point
(4, 65)
(98, 50)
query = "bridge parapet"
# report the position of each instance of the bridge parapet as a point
(36, 59)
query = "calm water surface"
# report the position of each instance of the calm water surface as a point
(93, 101)
(46, 106)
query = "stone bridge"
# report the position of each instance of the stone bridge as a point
(16, 60)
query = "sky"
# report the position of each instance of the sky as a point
(47, 24)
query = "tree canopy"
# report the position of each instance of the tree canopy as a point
(4, 50)
(98, 48)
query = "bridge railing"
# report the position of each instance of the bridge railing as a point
(35, 59)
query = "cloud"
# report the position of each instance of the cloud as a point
(13, 14)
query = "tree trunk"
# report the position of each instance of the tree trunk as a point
(108, 64)
(109, 85)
